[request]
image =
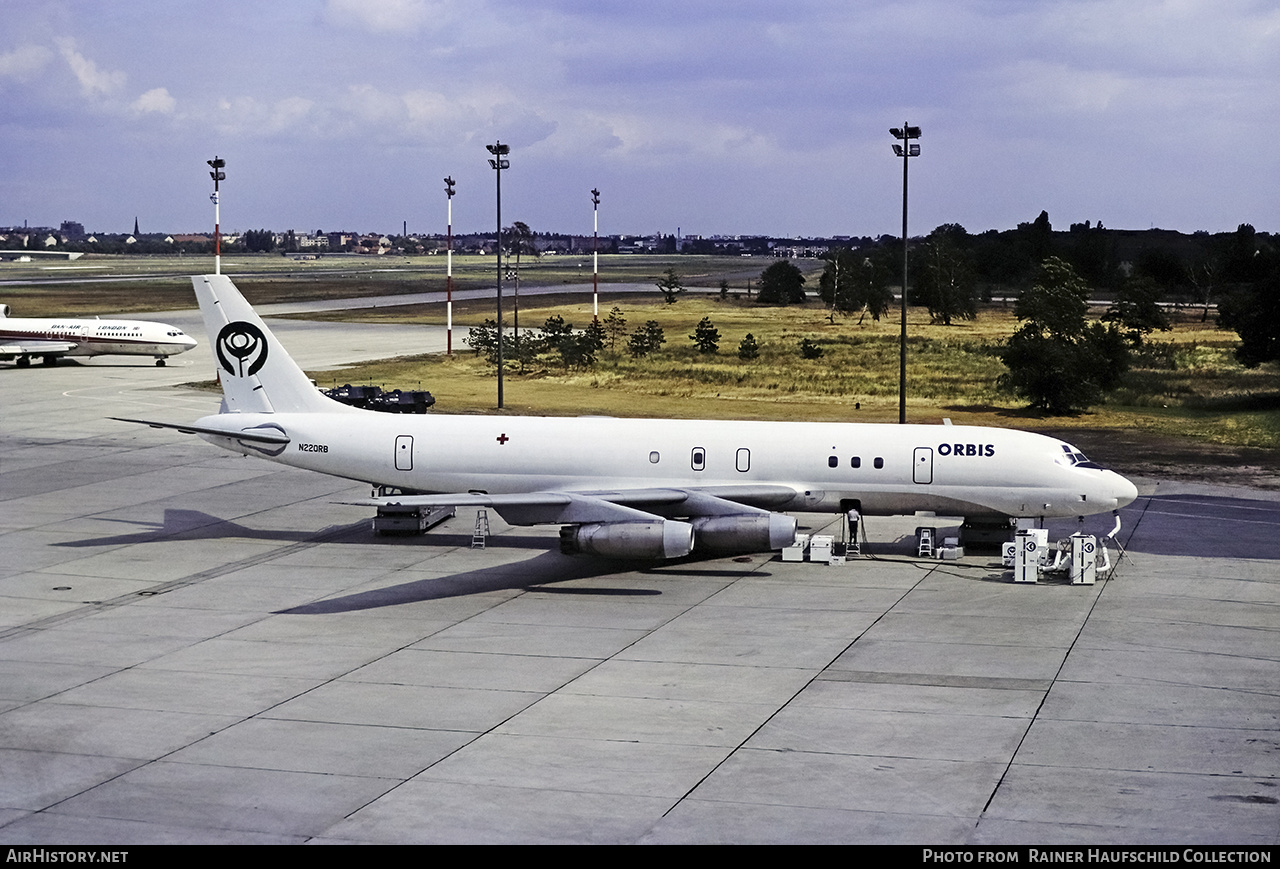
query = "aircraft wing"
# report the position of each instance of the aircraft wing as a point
(535, 508)
(38, 348)
(640, 523)
(545, 508)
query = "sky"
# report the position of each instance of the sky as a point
(737, 117)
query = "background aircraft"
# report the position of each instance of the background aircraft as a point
(24, 338)
(633, 488)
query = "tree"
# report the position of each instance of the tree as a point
(1055, 360)
(484, 339)
(1242, 257)
(706, 337)
(748, 348)
(781, 284)
(945, 281)
(646, 340)
(1136, 310)
(871, 292)
(518, 239)
(520, 349)
(670, 286)
(836, 285)
(1040, 236)
(615, 325)
(593, 338)
(555, 332)
(1253, 312)
(575, 349)
(810, 349)
(259, 240)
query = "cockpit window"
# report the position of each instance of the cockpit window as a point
(1076, 459)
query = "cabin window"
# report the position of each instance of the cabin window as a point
(744, 460)
(855, 462)
(653, 457)
(698, 459)
(833, 461)
(879, 463)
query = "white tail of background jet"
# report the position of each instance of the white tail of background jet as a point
(256, 373)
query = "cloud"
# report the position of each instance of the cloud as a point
(93, 81)
(253, 118)
(24, 62)
(155, 100)
(384, 16)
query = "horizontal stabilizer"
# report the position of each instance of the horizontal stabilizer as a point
(258, 434)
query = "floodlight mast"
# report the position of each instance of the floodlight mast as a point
(448, 307)
(595, 254)
(217, 165)
(906, 150)
(499, 151)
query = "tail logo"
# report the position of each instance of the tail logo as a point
(241, 348)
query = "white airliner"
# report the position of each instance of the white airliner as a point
(633, 488)
(23, 338)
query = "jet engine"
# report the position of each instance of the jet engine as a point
(746, 532)
(661, 538)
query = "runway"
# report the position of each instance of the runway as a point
(197, 647)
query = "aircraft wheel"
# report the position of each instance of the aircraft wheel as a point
(24, 361)
(49, 360)
(160, 363)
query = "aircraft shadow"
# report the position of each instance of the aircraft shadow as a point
(198, 525)
(548, 567)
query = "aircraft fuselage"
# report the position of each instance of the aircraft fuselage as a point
(884, 469)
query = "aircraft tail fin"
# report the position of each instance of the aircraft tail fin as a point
(256, 373)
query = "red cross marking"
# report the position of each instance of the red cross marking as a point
(502, 438)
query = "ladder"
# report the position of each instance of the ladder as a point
(481, 532)
(925, 547)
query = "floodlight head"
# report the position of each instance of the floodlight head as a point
(217, 163)
(448, 187)
(896, 131)
(897, 149)
(913, 132)
(595, 196)
(913, 151)
(498, 149)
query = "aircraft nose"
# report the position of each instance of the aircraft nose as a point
(1123, 490)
